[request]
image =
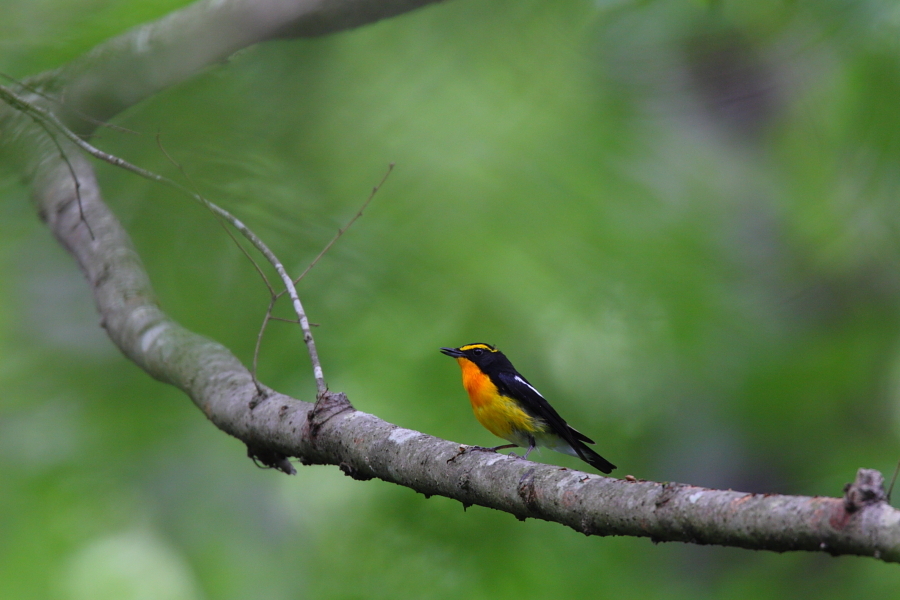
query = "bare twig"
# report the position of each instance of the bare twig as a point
(347, 226)
(259, 337)
(893, 481)
(196, 191)
(283, 320)
(76, 183)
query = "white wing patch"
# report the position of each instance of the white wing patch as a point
(520, 380)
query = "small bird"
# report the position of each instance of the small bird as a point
(509, 407)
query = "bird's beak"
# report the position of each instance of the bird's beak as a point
(454, 352)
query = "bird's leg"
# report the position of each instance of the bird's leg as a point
(494, 449)
(531, 446)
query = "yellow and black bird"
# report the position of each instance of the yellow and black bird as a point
(509, 407)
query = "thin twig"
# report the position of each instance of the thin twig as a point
(194, 187)
(283, 320)
(259, 337)
(347, 226)
(893, 481)
(65, 158)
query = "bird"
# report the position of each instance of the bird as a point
(511, 408)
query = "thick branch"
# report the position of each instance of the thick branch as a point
(152, 57)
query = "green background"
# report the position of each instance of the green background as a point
(678, 219)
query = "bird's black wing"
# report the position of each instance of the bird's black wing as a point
(515, 386)
(510, 383)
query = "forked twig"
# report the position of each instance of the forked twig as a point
(273, 296)
(47, 116)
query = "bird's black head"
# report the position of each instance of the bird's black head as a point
(483, 355)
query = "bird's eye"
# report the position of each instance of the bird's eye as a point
(478, 351)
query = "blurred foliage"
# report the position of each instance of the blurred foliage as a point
(678, 219)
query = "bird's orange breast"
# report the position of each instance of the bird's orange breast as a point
(499, 414)
(481, 389)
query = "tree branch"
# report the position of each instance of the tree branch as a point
(274, 427)
(155, 56)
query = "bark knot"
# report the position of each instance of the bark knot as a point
(527, 491)
(328, 405)
(866, 489)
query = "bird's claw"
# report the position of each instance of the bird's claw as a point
(459, 452)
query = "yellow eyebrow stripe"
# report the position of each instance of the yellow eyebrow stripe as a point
(482, 346)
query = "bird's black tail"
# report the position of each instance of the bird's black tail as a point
(594, 459)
